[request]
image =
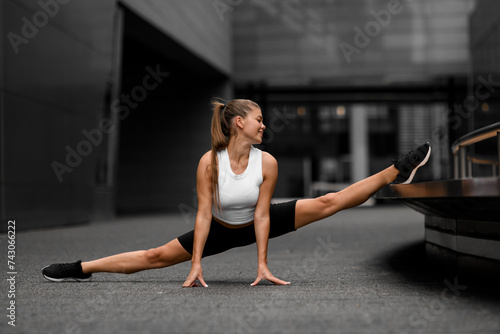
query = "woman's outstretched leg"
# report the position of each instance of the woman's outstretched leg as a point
(126, 263)
(311, 210)
(131, 262)
(314, 209)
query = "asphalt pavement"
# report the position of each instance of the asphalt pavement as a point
(361, 271)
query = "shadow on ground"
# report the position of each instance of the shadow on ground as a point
(420, 265)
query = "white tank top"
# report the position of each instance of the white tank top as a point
(238, 192)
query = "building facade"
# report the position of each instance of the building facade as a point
(98, 105)
(352, 84)
(105, 104)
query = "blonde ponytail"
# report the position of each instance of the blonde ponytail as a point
(219, 142)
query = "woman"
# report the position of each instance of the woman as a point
(235, 183)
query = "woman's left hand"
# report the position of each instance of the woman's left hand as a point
(264, 273)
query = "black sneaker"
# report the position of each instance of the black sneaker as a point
(409, 164)
(60, 272)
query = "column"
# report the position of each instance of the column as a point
(358, 141)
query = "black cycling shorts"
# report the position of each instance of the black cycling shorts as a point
(221, 238)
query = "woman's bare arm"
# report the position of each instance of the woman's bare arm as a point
(203, 220)
(262, 219)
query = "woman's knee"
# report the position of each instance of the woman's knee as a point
(153, 255)
(329, 203)
(167, 255)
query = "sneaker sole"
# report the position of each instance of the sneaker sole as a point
(412, 175)
(59, 280)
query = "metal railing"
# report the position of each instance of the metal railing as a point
(462, 167)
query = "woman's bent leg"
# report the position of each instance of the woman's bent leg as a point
(311, 210)
(131, 262)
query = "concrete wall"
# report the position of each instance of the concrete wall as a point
(196, 25)
(165, 135)
(56, 63)
(60, 74)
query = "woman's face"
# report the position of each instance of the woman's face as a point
(253, 126)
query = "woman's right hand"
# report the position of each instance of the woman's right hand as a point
(203, 220)
(195, 274)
